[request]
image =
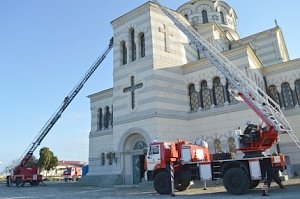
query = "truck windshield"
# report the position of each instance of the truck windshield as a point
(67, 170)
(154, 149)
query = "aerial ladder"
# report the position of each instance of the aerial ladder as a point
(20, 174)
(260, 102)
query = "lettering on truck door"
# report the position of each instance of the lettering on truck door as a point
(153, 156)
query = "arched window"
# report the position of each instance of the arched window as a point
(297, 89)
(222, 17)
(124, 52)
(186, 16)
(194, 104)
(287, 95)
(112, 117)
(140, 145)
(218, 92)
(231, 145)
(100, 119)
(231, 98)
(102, 158)
(142, 45)
(274, 93)
(133, 46)
(217, 145)
(106, 117)
(205, 95)
(204, 16)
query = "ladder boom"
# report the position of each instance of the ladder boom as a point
(57, 114)
(261, 103)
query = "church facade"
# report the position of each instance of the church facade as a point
(164, 89)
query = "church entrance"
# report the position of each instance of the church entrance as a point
(138, 168)
(135, 149)
(138, 162)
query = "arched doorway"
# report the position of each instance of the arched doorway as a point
(134, 148)
(138, 162)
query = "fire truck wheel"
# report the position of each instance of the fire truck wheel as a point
(181, 186)
(162, 183)
(254, 184)
(18, 181)
(34, 183)
(236, 181)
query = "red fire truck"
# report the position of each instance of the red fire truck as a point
(21, 174)
(72, 173)
(182, 162)
(192, 162)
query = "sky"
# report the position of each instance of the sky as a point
(47, 46)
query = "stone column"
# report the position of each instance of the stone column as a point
(137, 46)
(128, 46)
(210, 88)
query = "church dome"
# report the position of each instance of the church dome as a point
(201, 12)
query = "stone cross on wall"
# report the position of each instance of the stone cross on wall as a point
(132, 89)
(167, 34)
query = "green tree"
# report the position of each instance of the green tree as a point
(47, 160)
(32, 162)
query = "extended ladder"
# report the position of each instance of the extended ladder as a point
(67, 100)
(263, 105)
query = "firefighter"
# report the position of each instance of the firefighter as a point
(250, 133)
(272, 174)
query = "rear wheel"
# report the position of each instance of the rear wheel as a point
(254, 184)
(182, 186)
(236, 181)
(35, 183)
(162, 183)
(18, 181)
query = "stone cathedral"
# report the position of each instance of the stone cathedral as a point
(164, 89)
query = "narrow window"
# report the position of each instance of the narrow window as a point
(198, 53)
(100, 119)
(133, 46)
(106, 117)
(186, 16)
(297, 88)
(142, 42)
(204, 16)
(274, 93)
(287, 95)
(218, 92)
(205, 95)
(112, 117)
(222, 18)
(124, 53)
(193, 98)
(102, 159)
(230, 95)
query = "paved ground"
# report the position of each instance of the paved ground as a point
(62, 190)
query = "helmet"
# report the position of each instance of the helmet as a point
(248, 122)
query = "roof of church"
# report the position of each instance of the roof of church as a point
(102, 94)
(245, 49)
(284, 67)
